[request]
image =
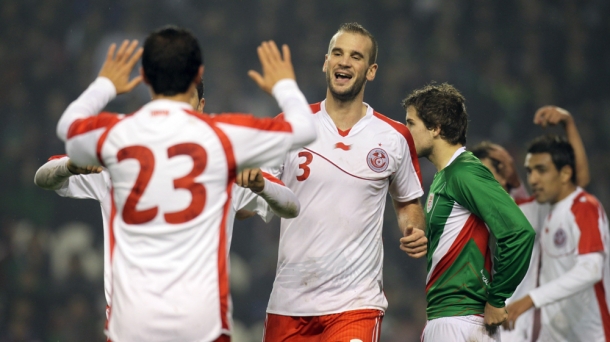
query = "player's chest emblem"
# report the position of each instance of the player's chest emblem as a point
(378, 160)
(560, 238)
(430, 202)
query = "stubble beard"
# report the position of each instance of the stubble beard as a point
(347, 95)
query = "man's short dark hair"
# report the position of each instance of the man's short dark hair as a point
(171, 60)
(441, 106)
(200, 90)
(359, 29)
(560, 150)
(481, 151)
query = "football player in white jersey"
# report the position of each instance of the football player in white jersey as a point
(501, 165)
(328, 285)
(574, 273)
(93, 182)
(172, 171)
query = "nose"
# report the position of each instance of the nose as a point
(345, 61)
(532, 178)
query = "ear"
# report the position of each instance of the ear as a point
(325, 63)
(371, 72)
(436, 132)
(199, 75)
(565, 174)
(201, 105)
(144, 78)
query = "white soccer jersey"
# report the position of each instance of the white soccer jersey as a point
(576, 227)
(172, 172)
(331, 256)
(94, 186)
(535, 213)
(97, 186)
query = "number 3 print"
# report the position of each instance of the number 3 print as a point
(304, 166)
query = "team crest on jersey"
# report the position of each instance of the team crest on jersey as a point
(378, 160)
(560, 238)
(430, 202)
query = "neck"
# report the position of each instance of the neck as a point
(184, 97)
(181, 97)
(442, 152)
(345, 114)
(566, 190)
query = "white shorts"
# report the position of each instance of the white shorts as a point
(458, 329)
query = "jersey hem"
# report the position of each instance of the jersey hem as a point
(332, 312)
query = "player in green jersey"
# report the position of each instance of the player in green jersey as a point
(479, 241)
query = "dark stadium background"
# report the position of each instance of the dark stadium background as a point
(507, 57)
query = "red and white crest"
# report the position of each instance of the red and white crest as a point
(378, 160)
(560, 238)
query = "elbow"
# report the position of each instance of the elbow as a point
(291, 211)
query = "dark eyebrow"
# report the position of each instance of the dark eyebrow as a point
(356, 53)
(336, 49)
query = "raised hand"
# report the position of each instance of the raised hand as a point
(275, 66)
(83, 170)
(551, 116)
(506, 168)
(251, 179)
(117, 68)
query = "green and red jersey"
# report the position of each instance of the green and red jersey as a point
(479, 241)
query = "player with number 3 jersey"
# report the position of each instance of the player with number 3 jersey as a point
(172, 171)
(328, 284)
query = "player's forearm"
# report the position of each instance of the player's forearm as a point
(580, 155)
(89, 103)
(296, 111)
(281, 200)
(409, 215)
(53, 174)
(511, 262)
(586, 272)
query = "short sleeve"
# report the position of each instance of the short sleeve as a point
(586, 211)
(406, 184)
(92, 186)
(256, 142)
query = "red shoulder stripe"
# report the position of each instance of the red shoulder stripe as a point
(525, 200)
(101, 120)
(223, 272)
(404, 131)
(315, 108)
(101, 141)
(271, 178)
(247, 120)
(585, 209)
(59, 156)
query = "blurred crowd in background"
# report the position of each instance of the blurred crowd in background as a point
(507, 57)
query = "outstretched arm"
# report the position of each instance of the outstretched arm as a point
(279, 198)
(278, 79)
(54, 173)
(586, 272)
(553, 115)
